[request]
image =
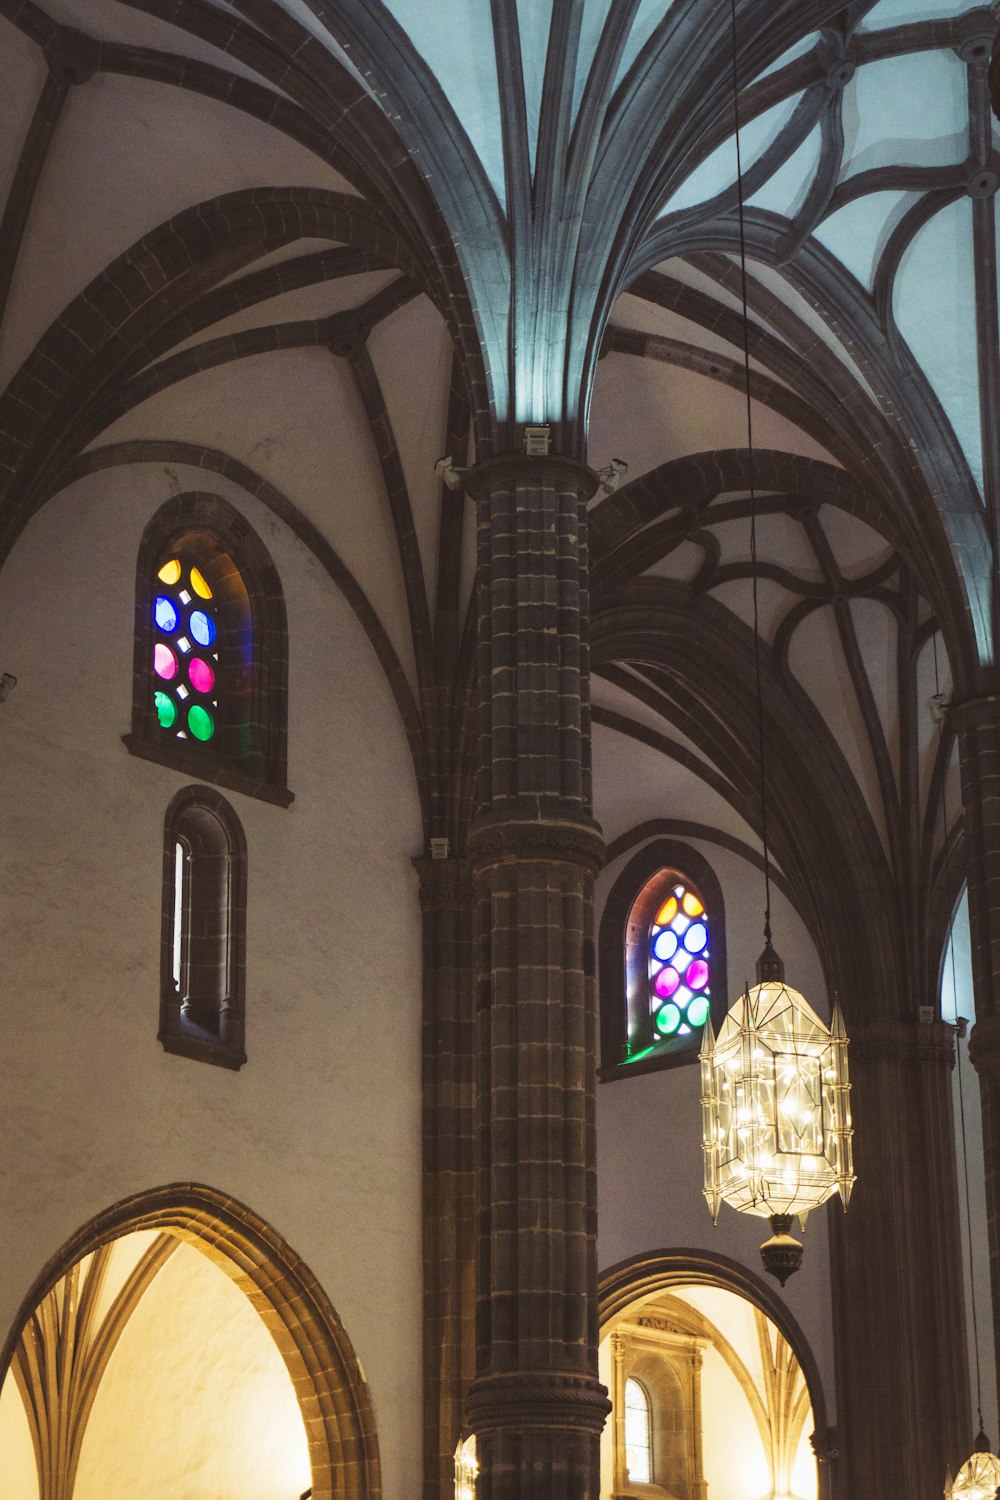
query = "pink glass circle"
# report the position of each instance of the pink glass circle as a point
(201, 675)
(697, 974)
(164, 661)
(666, 982)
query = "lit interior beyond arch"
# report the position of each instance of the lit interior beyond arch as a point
(169, 1386)
(728, 1406)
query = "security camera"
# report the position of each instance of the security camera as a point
(446, 471)
(612, 475)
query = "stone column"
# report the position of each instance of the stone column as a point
(449, 1092)
(977, 724)
(536, 1405)
(899, 1319)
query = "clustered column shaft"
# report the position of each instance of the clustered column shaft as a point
(536, 1405)
(898, 1267)
(978, 727)
(449, 1062)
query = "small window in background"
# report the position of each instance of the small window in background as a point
(204, 927)
(637, 1433)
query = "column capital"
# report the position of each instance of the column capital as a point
(512, 470)
(509, 834)
(445, 883)
(537, 1399)
(984, 1046)
(885, 1039)
(967, 713)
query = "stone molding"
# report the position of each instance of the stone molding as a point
(971, 712)
(445, 884)
(533, 1399)
(902, 1042)
(509, 471)
(984, 1046)
(502, 839)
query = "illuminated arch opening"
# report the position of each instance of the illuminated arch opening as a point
(732, 1402)
(276, 1325)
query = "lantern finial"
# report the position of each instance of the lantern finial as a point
(781, 1254)
(770, 969)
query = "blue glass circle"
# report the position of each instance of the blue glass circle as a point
(202, 627)
(696, 937)
(665, 945)
(165, 614)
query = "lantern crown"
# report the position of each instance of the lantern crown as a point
(770, 969)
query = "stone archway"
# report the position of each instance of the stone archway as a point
(331, 1391)
(637, 1283)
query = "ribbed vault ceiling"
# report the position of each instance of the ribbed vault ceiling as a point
(300, 250)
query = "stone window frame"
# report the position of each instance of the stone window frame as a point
(205, 1018)
(621, 933)
(259, 768)
(666, 1364)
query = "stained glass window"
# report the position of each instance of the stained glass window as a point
(637, 1440)
(186, 654)
(680, 966)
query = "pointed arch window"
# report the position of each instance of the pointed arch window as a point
(662, 960)
(202, 970)
(638, 1437)
(209, 695)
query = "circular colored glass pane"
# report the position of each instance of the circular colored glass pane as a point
(692, 905)
(202, 627)
(199, 585)
(166, 709)
(668, 1018)
(665, 946)
(201, 675)
(164, 661)
(666, 913)
(696, 937)
(697, 1013)
(200, 722)
(170, 572)
(697, 974)
(165, 614)
(666, 982)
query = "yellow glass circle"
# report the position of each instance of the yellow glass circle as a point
(692, 905)
(199, 585)
(667, 912)
(170, 572)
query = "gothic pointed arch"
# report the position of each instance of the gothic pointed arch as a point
(331, 1389)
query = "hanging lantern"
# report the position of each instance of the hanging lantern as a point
(979, 1477)
(776, 1117)
(466, 1468)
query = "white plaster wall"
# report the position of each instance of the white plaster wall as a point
(320, 1132)
(649, 1160)
(196, 1402)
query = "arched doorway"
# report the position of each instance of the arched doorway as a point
(181, 1317)
(714, 1390)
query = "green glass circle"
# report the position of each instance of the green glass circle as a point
(200, 722)
(698, 1012)
(166, 709)
(668, 1018)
